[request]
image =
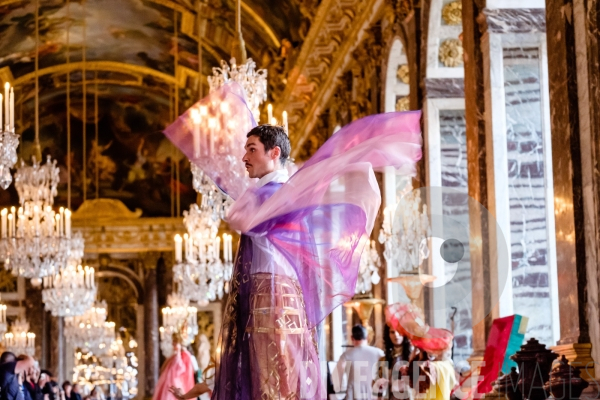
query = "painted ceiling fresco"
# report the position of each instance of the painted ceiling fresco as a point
(140, 72)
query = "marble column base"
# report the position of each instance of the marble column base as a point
(580, 357)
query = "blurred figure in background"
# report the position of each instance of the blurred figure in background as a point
(363, 360)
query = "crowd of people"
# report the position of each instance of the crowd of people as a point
(22, 379)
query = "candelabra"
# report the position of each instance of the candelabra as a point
(35, 241)
(19, 340)
(179, 317)
(90, 331)
(70, 292)
(9, 141)
(368, 272)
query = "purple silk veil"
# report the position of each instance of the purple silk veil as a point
(322, 217)
(311, 229)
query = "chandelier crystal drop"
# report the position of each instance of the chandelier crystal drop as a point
(213, 198)
(368, 271)
(179, 317)
(252, 80)
(19, 340)
(35, 241)
(9, 141)
(90, 331)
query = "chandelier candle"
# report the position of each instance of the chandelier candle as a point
(9, 141)
(178, 250)
(12, 110)
(7, 105)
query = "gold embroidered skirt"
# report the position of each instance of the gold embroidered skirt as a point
(278, 337)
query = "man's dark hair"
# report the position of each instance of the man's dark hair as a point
(65, 384)
(272, 136)
(7, 356)
(47, 372)
(359, 332)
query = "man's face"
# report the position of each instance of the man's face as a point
(75, 388)
(258, 161)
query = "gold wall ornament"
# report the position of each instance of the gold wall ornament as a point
(451, 53)
(452, 13)
(403, 73)
(403, 104)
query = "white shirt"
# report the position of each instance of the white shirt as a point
(277, 176)
(363, 362)
(265, 257)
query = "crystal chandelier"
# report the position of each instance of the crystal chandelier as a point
(179, 317)
(368, 271)
(405, 239)
(252, 80)
(19, 340)
(90, 331)
(203, 276)
(35, 241)
(116, 368)
(9, 141)
(70, 292)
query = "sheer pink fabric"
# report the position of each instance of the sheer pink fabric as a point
(178, 372)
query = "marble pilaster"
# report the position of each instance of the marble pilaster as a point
(57, 347)
(477, 170)
(151, 324)
(572, 35)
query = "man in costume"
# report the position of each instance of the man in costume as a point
(302, 237)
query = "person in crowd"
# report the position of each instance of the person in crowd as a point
(31, 382)
(397, 350)
(75, 392)
(177, 371)
(50, 388)
(9, 376)
(68, 389)
(97, 394)
(360, 362)
(7, 356)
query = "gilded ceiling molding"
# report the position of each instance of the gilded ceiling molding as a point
(189, 14)
(340, 31)
(316, 29)
(110, 66)
(108, 226)
(261, 22)
(7, 2)
(6, 76)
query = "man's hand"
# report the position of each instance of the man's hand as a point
(175, 391)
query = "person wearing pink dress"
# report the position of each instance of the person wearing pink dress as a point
(178, 371)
